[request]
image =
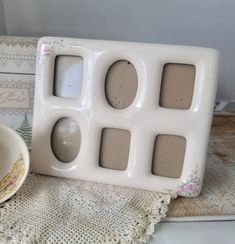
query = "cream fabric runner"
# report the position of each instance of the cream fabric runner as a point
(55, 210)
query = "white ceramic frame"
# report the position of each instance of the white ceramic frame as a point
(144, 118)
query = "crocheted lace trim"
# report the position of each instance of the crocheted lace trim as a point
(55, 210)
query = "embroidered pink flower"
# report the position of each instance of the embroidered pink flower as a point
(46, 48)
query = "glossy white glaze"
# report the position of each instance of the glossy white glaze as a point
(144, 118)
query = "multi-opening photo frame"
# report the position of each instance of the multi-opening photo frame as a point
(131, 114)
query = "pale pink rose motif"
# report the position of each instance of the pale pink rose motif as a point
(190, 187)
(46, 48)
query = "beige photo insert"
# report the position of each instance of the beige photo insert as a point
(177, 86)
(114, 148)
(168, 155)
(121, 84)
(68, 75)
(65, 139)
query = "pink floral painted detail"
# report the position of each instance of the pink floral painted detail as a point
(46, 48)
(191, 186)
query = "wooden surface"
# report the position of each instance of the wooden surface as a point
(218, 193)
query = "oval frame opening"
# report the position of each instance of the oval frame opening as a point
(121, 84)
(66, 139)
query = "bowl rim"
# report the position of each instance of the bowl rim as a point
(26, 159)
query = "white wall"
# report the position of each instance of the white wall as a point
(209, 23)
(2, 20)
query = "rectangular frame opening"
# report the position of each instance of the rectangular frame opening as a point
(114, 148)
(168, 155)
(68, 76)
(177, 86)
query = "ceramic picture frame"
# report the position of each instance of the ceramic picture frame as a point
(131, 114)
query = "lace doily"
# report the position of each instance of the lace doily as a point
(55, 210)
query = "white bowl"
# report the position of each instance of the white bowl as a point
(14, 162)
